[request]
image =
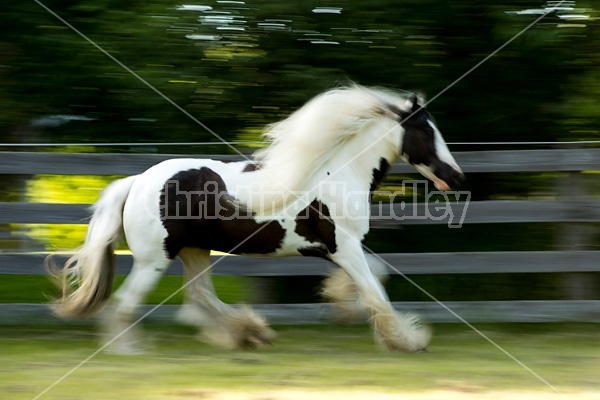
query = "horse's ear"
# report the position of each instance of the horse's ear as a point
(414, 99)
(412, 103)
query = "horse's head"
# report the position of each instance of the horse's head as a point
(423, 147)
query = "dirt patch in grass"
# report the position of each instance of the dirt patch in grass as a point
(303, 394)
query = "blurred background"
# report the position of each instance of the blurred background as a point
(238, 65)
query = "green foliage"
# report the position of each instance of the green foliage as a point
(76, 189)
(239, 67)
(53, 237)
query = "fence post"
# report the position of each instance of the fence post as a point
(575, 236)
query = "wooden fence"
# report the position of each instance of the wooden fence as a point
(573, 208)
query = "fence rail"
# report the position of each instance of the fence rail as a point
(382, 215)
(282, 314)
(574, 211)
(406, 263)
(27, 163)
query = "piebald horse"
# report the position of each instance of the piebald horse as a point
(308, 193)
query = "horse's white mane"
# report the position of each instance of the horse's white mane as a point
(305, 140)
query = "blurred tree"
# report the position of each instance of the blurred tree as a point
(236, 66)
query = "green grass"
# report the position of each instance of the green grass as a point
(39, 289)
(319, 359)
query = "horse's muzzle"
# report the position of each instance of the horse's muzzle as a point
(449, 177)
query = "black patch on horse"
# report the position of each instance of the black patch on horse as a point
(251, 167)
(197, 211)
(378, 175)
(315, 224)
(418, 144)
(316, 251)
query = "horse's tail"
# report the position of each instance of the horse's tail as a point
(86, 279)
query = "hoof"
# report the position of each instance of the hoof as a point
(422, 351)
(243, 329)
(125, 349)
(245, 340)
(251, 331)
(397, 332)
(257, 341)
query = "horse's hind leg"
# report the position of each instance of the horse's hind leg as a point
(119, 318)
(231, 327)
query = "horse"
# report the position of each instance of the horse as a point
(306, 194)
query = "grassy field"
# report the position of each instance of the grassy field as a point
(324, 362)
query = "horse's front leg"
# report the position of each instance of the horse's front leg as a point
(340, 290)
(392, 330)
